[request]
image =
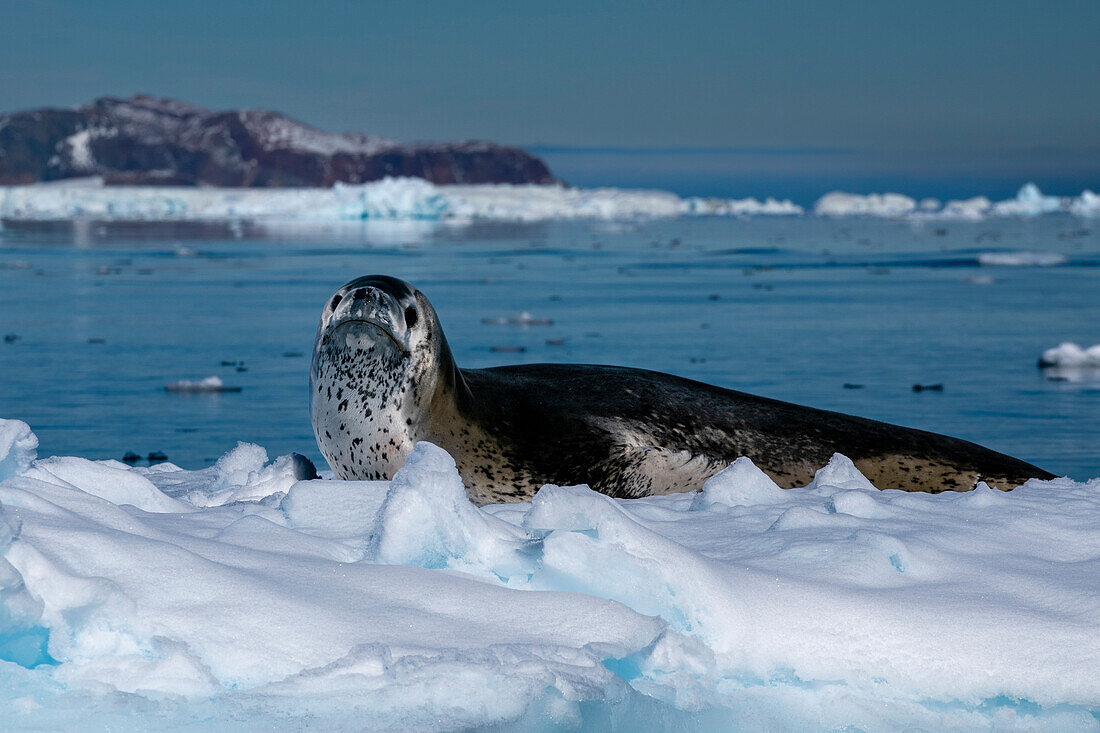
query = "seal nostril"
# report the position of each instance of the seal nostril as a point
(335, 301)
(359, 294)
(410, 316)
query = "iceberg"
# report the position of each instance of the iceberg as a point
(1028, 202)
(1069, 354)
(1087, 205)
(887, 205)
(237, 597)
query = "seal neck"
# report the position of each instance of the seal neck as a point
(452, 394)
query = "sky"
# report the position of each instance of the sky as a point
(626, 91)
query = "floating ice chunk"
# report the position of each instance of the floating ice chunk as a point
(1021, 259)
(18, 448)
(739, 484)
(109, 480)
(1086, 205)
(209, 384)
(522, 319)
(839, 474)
(1069, 354)
(427, 520)
(1029, 201)
(841, 203)
(742, 207)
(972, 209)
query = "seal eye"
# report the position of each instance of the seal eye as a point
(335, 301)
(410, 316)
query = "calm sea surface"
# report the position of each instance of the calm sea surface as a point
(99, 318)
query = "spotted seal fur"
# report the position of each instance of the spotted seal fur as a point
(383, 378)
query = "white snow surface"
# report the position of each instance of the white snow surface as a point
(277, 132)
(235, 597)
(390, 198)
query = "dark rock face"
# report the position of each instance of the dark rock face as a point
(150, 141)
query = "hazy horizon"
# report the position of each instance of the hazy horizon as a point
(948, 98)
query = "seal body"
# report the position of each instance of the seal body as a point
(383, 378)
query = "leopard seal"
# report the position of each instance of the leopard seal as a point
(383, 378)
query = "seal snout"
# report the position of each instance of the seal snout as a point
(374, 302)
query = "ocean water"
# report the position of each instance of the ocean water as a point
(98, 318)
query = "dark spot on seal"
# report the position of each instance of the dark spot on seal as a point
(410, 317)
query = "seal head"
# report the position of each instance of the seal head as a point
(380, 361)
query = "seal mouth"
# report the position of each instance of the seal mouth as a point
(375, 326)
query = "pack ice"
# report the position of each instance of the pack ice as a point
(235, 597)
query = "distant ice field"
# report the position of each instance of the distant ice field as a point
(97, 318)
(416, 199)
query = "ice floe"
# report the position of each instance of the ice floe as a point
(388, 199)
(840, 203)
(414, 199)
(1068, 362)
(240, 597)
(1028, 202)
(207, 384)
(1021, 259)
(1069, 354)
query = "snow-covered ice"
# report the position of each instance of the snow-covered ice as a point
(1069, 354)
(1028, 202)
(1068, 362)
(1021, 259)
(236, 597)
(840, 203)
(206, 384)
(418, 200)
(391, 198)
